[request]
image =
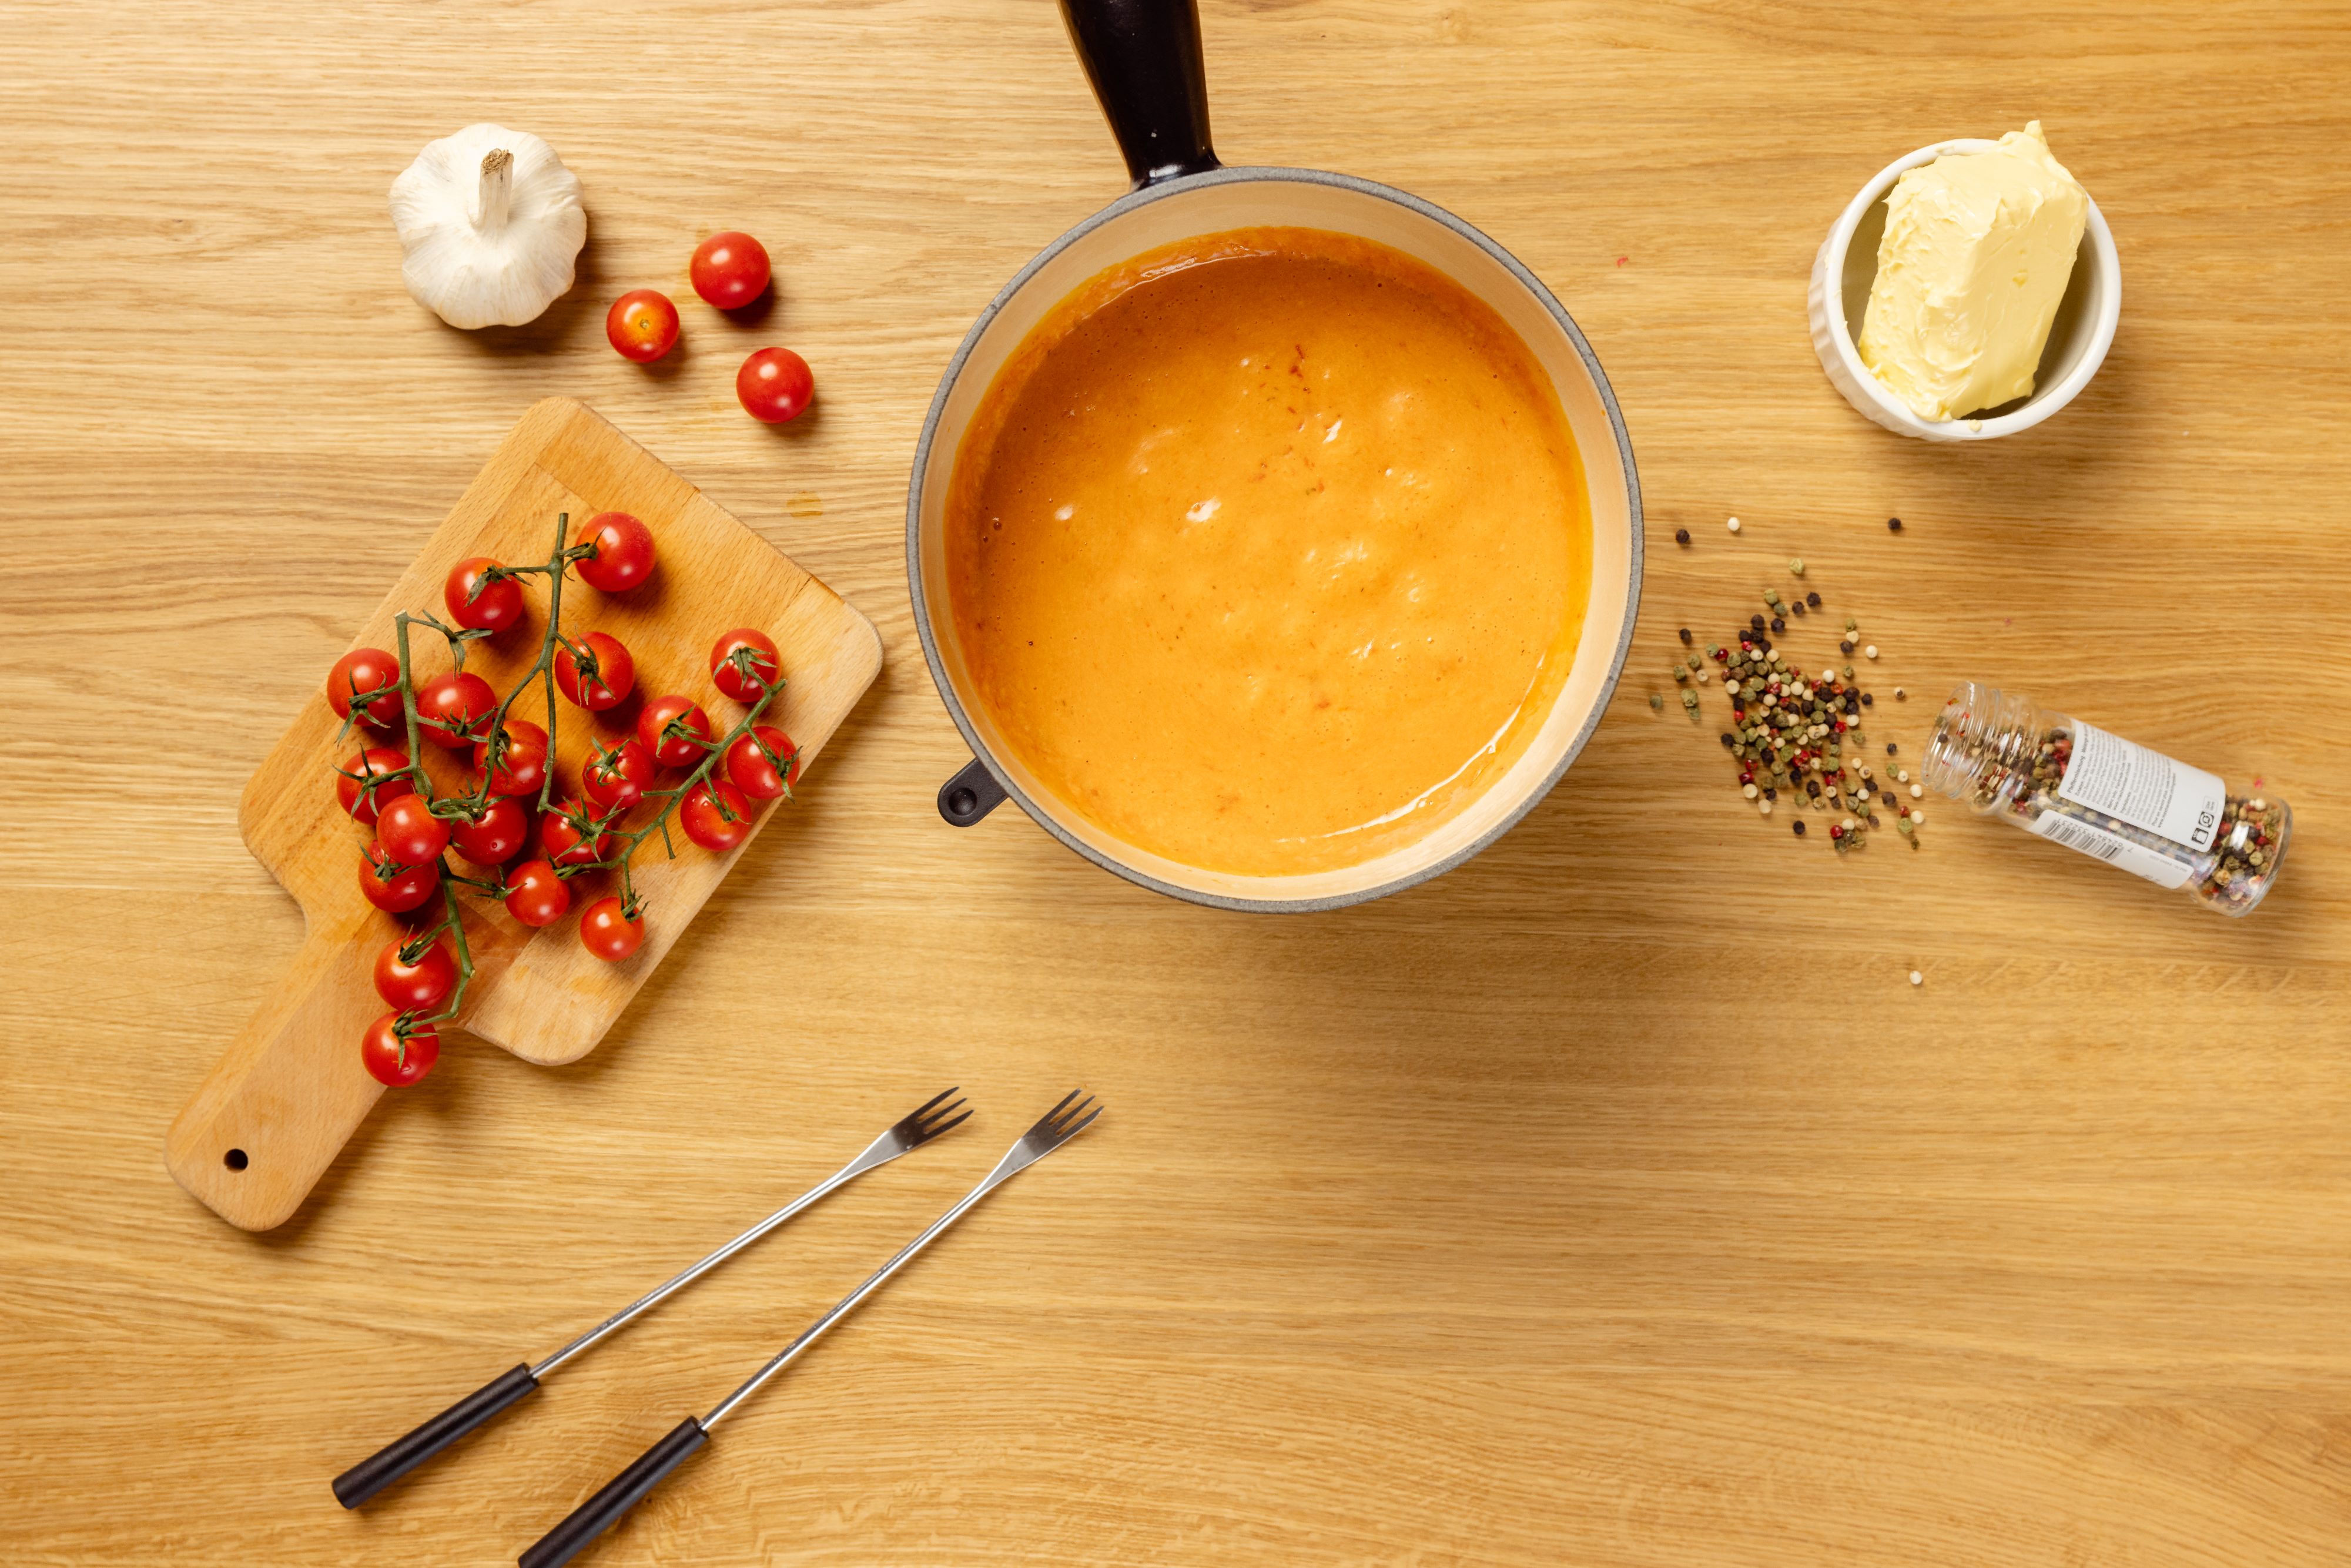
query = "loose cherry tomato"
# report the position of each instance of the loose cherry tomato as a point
(763, 763)
(729, 269)
(393, 1061)
(408, 831)
(611, 932)
(675, 731)
(395, 888)
(717, 818)
(419, 986)
(476, 601)
(560, 838)
(535, 894)
(624, 552)
(363, 785)
(616, 776)
(355, 675)
(454, 709)
(522, 758)
(600, 675)
(641, 325)
(496, 835)
(774, 385)
(743, 664)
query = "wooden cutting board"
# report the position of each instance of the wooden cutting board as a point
(291, 1090)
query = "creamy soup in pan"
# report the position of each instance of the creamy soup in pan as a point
(1267, 551)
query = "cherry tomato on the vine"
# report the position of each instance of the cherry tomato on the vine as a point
(600, 675)
(358, 673)
(743, 664)
(560, 838)
(373, 766)
(616, 776)
(624, 552)
(641, 325)
(675, 731)
(522, 758)
(454, 709)
(774, 385)
(396, 1062)
(408, 832)
(715, 815)
(729, 269)
(419, 986)
(477, 603)
(395, 888)
(535, 894)
(495, 836)
(763, 762)
(610, 931)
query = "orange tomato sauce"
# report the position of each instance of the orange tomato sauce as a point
(1268, 550)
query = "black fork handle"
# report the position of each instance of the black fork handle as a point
(1143, 57)
(396, 1458)
(622, 1493)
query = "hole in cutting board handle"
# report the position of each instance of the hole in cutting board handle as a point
(236, 1159)
(970, 795)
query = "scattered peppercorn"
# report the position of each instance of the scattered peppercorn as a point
(1813, 599)
(1778, 624)
(1799, 826)
(1894, 523)
(1685, 637)
(1681, 536)
(1657, 702)
(1796, 565)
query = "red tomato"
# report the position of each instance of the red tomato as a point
(600, 675)
(716, 816)
(408, 831)
(395, 888)
(611, 932)
(763, 763)
(624, 552)
(522, 758)
(419, 986)
(641, 325)
(475, 601)
(535, 894)
(495, 836)
(397, 1063)
(774, 385)
(729, 270)
(743, 664)
(362, 798)
(616, 777)
(675, 731)
(454, 709)
(560, 837)
(359, 673)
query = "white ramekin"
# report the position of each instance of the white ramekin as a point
(1842, 272)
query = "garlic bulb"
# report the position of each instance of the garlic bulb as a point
(492, 225)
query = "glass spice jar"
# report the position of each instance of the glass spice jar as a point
(2093, 791)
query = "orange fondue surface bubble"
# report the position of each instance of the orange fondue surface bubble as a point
(1267, 551)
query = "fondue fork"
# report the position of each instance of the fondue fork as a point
(380, 1469)
(625, 1490)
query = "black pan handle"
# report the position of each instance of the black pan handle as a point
(970, 795)
(395, 1460)
(1143, 57)
(622, 1493)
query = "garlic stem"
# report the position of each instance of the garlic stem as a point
(497, 195)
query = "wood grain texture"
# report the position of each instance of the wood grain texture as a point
(1612, 1200)
(288, 1091)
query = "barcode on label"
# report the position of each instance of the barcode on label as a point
(2074, 836)
(2114, 848)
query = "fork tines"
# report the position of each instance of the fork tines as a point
(929, 1120)
(1063, 1122)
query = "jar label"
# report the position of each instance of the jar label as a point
(2143, 787)
(2111, 848)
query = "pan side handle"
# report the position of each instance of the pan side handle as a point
(1143, 57)
(290, 1089)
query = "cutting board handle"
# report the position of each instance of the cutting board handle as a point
(290, 1091)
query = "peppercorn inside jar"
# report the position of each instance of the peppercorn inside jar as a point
(2109, 798)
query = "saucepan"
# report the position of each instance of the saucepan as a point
(1144, 59)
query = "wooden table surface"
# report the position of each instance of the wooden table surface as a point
(1614, 1199)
